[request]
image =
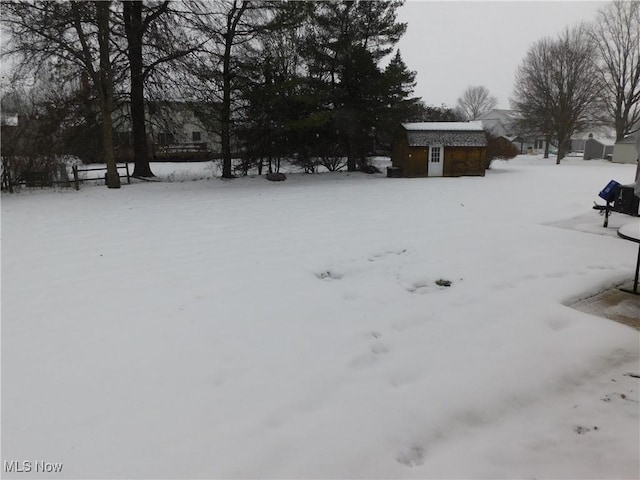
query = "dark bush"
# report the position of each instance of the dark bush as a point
(499, 148)
(369, 169)
(276, 177)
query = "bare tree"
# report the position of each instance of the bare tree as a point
(616, 35)
(226, 28)
(475, 101)
(74, 35)
(135, 26)
(228, 31)
(103, 80)
(155, 38)
(557, 87)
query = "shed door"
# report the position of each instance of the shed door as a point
(436, 160)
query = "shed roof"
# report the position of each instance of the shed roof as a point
(448, 134)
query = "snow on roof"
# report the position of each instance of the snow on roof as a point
(444, 126)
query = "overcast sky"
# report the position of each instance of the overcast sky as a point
(454, 44)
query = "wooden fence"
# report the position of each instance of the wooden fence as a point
(48, 178)
(77, 179)
(196, 151)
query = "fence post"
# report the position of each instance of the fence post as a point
(126, 164)
(75, 177)
(6, 174)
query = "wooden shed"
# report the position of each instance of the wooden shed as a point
(440, 149)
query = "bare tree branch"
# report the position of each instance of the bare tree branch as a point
(475, 101)
(557, 87)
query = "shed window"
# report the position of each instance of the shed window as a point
(195, 136)
(435, 154)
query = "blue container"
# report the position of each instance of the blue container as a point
(608, 193)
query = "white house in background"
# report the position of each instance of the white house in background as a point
(503, 123)
(624, 151)
(499, 122)
(176, 130)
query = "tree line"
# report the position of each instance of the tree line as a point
(301, 80)
(587, 76)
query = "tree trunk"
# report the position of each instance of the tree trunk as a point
(233, 18)
(106, 92)
(135, 31)
(562, 149)
(225, 112)
(351, 157)
(547, 139)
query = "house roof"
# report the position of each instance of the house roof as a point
(448, 134)
(498, 113)
(602, 134)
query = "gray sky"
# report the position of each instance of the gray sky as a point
(454, 44)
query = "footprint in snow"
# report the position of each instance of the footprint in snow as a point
(328, 275)
(379, 349)
(418, 287)
(379, 256)
(371, 357)
(580, 430)
(610, 396)
(413, 457)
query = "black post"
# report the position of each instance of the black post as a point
(635, 280)
(75, 177)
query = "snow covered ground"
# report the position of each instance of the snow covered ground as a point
(250, 329)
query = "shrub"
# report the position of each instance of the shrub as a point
(499, 148)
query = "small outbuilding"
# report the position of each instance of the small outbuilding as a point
(624, 151)
(597, 148)
(440, 149)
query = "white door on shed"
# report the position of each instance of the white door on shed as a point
(436, 161)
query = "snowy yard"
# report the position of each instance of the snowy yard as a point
(249, 329)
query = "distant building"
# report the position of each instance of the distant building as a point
(624, 151)
(598, 148)
(504, 123)
(9, 135)
(176, 130)
(501, 122)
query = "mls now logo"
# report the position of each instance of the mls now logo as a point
(26, 466)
